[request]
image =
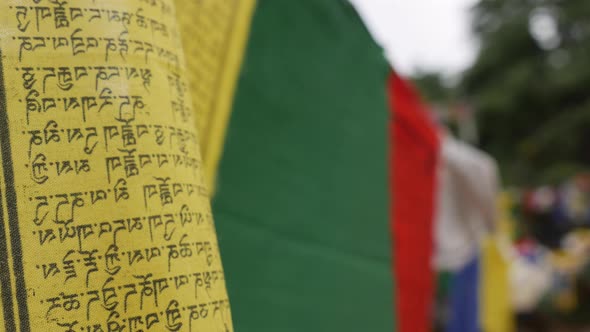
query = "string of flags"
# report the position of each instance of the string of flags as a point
(342, 204)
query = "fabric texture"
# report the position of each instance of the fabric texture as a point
(495, 304)
(464, 299)
(301, 204)
(468, 187)
(414, 144)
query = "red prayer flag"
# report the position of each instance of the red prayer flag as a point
(414, 146)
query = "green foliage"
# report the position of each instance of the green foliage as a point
(530, 86)
(432, 87)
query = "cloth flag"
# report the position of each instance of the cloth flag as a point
(414, 146)
(301, 202)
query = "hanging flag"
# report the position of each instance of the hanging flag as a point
(464, 299)
(495, 305)
(414, 147)
(466, 206)
(466, 215)
(213, 32)
(301, 201)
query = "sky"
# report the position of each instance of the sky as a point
(422, 34)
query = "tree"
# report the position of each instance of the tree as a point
(529, 85)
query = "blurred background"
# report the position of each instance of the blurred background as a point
(410, 166)
(511, 78)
